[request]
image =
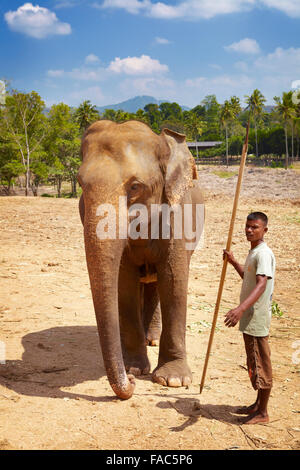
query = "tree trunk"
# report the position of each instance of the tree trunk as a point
(292, 141)
(74, 186)
(59, 186)
(34, 188)
(27, 180)
(256, 138)
(226, 145)
(286, 149)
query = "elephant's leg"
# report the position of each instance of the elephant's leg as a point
(131, 325)
(81, 209)
(172, 369)
(151, 314)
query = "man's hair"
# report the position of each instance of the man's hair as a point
(258, 215)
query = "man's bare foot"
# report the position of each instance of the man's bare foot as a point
(247, 410)
(256, 418)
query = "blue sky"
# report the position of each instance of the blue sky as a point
(182, 50)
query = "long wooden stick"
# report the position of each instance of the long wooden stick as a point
(225, 262)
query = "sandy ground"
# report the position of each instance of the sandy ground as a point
(54, 393)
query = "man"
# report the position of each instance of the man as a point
(254, 313)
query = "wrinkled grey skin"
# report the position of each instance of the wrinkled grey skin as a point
(130, 160)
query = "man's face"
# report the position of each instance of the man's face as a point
(255, 230)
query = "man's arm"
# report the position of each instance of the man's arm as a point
(231, 259)
(234, 315)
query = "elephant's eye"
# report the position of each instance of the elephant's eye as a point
(135, 186)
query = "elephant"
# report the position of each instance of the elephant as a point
(134, 280)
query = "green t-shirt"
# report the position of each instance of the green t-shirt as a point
(256, 320)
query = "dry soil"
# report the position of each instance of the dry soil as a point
(54, 393)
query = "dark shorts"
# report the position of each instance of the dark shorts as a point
(258, 361)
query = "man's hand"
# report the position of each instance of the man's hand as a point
(230, 257)
(233, 316)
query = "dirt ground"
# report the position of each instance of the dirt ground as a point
(54, 393)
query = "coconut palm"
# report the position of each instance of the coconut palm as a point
(194, 127)
(229, 112)
(85, 115)
(256, 104)
(286, 109)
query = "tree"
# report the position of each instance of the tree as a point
(194, 127)
(256, 104)
(228, 114)
(10, 164)
(153, 116)
(286, 109)
(170, 112)
(85, 115)
(63, 146)
(212, 117)
(26, 127)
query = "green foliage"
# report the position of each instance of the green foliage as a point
(225, 174)
(45, 147)
(276, 310)
(85, 115)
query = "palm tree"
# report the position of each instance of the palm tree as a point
(286, 109)
(86, 114)
(229, 112)
(256, 103)
(193, 126)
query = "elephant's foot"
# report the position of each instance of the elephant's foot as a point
(152, 336)
(136, 364)
(175, 373)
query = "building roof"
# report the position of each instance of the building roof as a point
(203, 144)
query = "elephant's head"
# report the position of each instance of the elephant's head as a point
(126, 160)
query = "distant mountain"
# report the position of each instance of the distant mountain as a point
(133, 104)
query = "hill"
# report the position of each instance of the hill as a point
(133, 104)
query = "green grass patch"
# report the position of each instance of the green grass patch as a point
(276, 310)
(293, 219)
(200, 326)
(224, 174)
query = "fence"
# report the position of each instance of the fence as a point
(264, 160)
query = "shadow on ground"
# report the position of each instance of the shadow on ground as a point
(56, 358)
(193, 410)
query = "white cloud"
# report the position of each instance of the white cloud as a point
(280, 61)
(66, 4)
(290, 7)
(162, 41)
(36, 21)
(55, 73)
(92, 59)
(244, 46)
(228, 82)
(189, 9)
(195, 9)
(80, 74)
(94, 94)
(151, 86)
(132, 6)
(242, 66)
(143, 65)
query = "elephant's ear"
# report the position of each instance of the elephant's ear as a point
(179, 166)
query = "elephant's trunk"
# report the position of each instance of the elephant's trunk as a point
(103, 261)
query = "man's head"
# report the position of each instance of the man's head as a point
(256, 227)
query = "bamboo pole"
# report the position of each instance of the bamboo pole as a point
(225, 262)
